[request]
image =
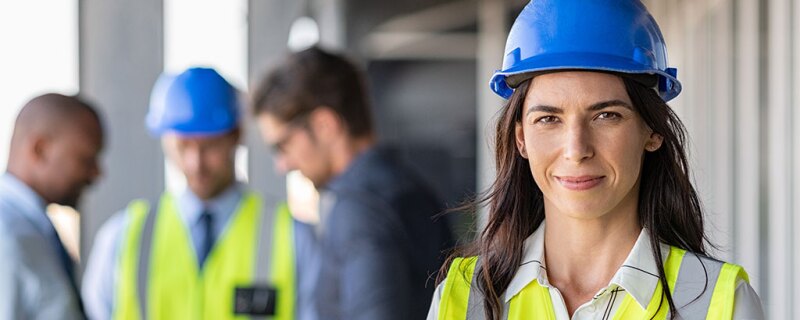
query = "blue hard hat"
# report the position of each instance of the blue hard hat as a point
(196, 102)
(603, 35)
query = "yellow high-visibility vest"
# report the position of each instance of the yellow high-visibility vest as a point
(158, 273)
(533, 301)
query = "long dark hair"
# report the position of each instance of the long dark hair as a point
(668, 205)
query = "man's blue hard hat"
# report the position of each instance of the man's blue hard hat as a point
(603, 35)
(198, 101)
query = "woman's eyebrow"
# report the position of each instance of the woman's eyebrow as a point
(545, 109)
(593, 107)
(609, 103)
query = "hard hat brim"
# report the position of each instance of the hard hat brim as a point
(159, 132)
(503, 82)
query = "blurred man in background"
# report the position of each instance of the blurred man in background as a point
(213, 251)
(52, 159)
(378, 240)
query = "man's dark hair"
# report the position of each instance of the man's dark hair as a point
(314, 78)
(51, 112)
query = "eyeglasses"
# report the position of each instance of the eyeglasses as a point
(279, 146)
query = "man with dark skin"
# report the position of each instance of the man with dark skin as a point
(53, 157)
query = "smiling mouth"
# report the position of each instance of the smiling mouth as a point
(580, 183)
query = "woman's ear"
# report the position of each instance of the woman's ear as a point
(654, 142)
(519, 136)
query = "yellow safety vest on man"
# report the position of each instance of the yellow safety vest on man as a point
(683, 276)
(159, 277)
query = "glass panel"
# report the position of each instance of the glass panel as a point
(210, 33)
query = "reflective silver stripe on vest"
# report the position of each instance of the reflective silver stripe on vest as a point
(475, 306)
(696, 273)
(143, 269)
(695, 285)
(264, 248)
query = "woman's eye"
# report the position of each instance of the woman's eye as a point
(608, 115)
(547, 119)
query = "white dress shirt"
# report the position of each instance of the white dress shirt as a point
(638, 277)
(33, 281)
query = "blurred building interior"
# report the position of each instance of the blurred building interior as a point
(428, 62)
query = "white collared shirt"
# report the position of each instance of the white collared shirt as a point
(33, 283)
(638, 277)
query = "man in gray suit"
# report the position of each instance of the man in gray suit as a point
(53, 157)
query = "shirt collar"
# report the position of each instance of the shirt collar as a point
(32, 204)
(638, 274)
(533, 264)
(356, 168)
(191, 207)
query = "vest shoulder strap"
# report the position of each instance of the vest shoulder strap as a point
(707, 286)
(456, 291)
(263, 252)
(461, 300)
(699, 285)
(695, 284)
(145, 248)
(132, 257)
(275, 254)
(723, 299)
(657, 307)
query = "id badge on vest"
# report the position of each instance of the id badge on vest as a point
(255, 300)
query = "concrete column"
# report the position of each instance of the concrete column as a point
(120, 57)
(720, 152)
(794, 139)
(778, 132)
(269, 22)
(492, 32)
(330, 15)
(748, 243)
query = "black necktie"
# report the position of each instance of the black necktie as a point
(206, 223)
(66, 261)
(68, 266)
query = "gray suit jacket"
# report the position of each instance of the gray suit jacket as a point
(33, 281)
(379, 241)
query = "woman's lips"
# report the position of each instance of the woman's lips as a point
(579, 183)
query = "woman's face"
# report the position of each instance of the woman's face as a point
(584, 142)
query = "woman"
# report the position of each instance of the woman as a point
(593, 214)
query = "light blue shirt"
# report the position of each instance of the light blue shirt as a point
(33, 282)
(221, 209)
(100, 277)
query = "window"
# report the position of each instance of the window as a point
(209, 33)
(39, 55)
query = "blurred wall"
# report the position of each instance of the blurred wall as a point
(739, 64)
(121, 55)
(268, 32)
(429, 61)
(427, 110)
